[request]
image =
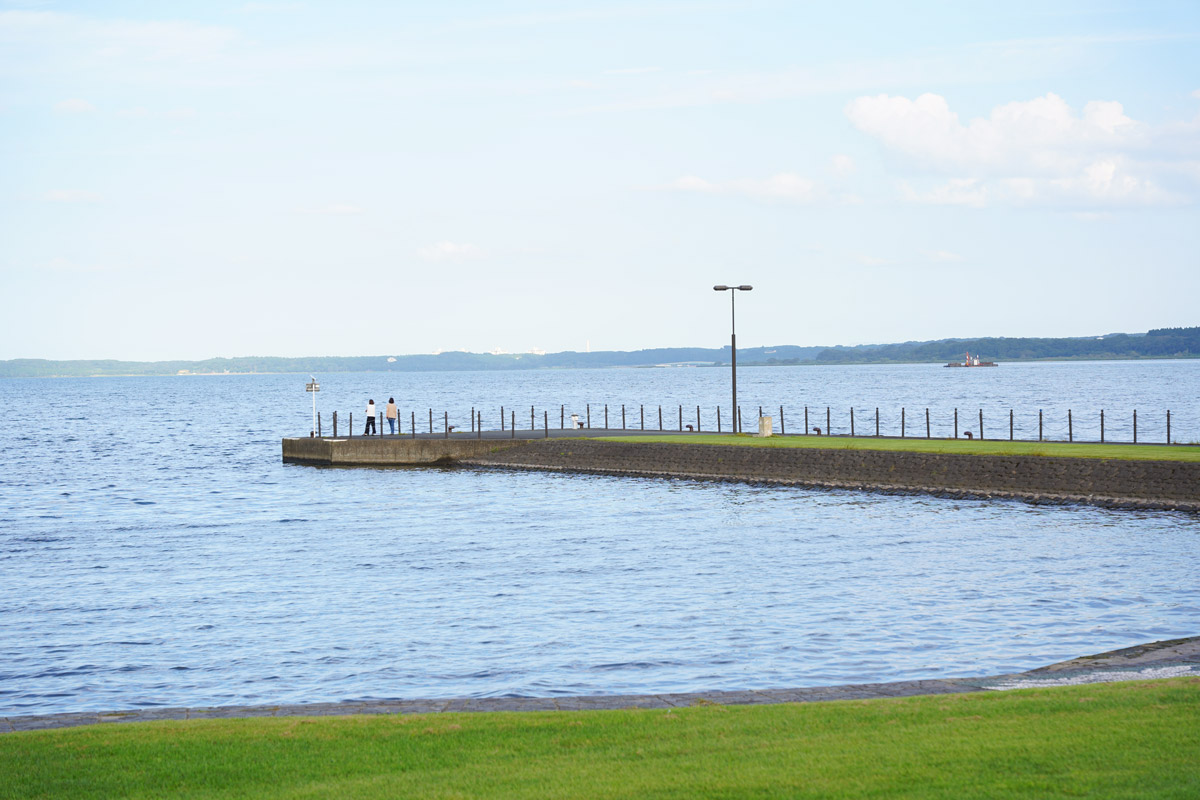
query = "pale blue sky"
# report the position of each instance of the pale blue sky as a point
(186, 180)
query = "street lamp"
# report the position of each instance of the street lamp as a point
(733, 290)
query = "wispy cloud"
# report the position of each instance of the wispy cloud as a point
(72, 196)
(334, 210)
(450, 251)
(783, 186)
(74, 106)
(632, 71)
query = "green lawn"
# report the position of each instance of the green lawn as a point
(1139, 452)
(1105, 740)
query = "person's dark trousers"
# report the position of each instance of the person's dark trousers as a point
(367, 431)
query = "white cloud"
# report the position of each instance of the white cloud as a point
(632, 71)
(941, 256)
(74, 106)
(1196, 94)
(784, 186)
(450, 251)
(956, 192)
(335, 210)
(842, 164)
(72, 196)
(1038, 151)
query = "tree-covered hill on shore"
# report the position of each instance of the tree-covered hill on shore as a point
(1158, 343)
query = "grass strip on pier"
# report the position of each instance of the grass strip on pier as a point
(974, 447)
(1098, 741)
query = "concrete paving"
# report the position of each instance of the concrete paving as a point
(1144, 662)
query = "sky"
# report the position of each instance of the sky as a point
(198, 179)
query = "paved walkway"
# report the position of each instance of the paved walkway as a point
(1150, 661)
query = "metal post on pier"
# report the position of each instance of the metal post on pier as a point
(1070, 427)
(512, 428)
(782, 430)
(589, 416)
(1168, 426)
(472, 419)
(740, 427)
(335, 424)
(1039, 424)
(876, 420)
(851, 420)
(413, 427)
(532, 419)
(956, 423)
(902, 422)
(981, 424)
(718, 419)
(806, 420)
(319, 425)
(446, 422)
(1102, 426)
(546, 423)
(697, 419)
(1135, 426)
(927, 429)
(622, 416)
(681, 417)
(431, 420)
(828, 423)
(350, 432)
(562, 417)
(660, 418)
(479, 426)
(502, 419)
(1010, 424)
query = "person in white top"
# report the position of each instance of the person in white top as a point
(391, 414)
(367, 431)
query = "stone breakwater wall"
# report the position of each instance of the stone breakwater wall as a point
(1104, 482)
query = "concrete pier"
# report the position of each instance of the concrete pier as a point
(1118, 483)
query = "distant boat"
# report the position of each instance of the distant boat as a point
(972, 362)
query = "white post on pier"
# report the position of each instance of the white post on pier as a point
(313, 388)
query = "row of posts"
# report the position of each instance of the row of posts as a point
(586, 422)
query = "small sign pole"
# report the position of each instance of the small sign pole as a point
(312, 388)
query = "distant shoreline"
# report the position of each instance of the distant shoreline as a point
(716, 365)
(1156, 344)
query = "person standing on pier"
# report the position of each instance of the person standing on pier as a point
(367, 431)
(391, 414)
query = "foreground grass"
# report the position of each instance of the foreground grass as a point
(1108, 740)
(1136, 452)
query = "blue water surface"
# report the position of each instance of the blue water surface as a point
(155, 552)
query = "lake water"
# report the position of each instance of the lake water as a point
(155, 552)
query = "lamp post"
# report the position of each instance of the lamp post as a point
(733, 290)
